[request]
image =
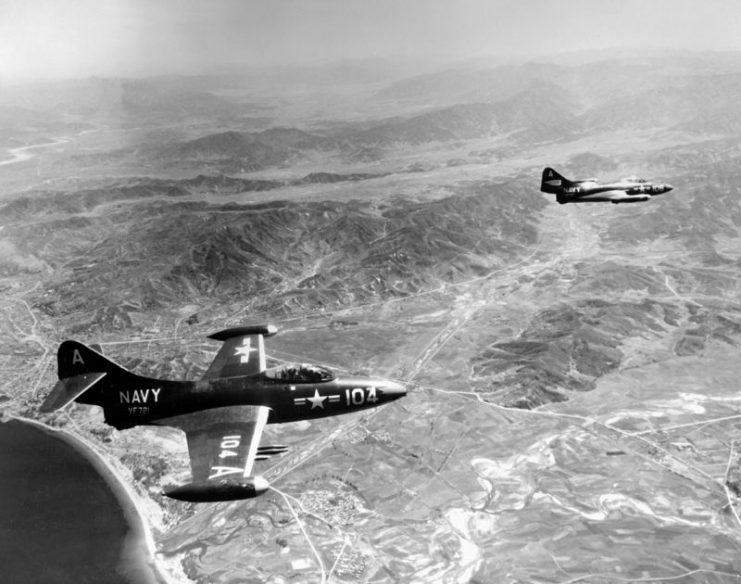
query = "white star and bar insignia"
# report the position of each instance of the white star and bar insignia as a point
(244, 351)
(317, 401)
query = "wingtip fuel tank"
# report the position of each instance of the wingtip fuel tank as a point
(626, 190)
(224, 490)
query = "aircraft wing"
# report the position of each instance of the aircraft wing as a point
(226, 448)
(223, 444)
(243, 351)
(619, 196)
(613, 196)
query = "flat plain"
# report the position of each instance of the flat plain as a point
(573, 406)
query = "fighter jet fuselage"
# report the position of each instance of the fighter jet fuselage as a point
(152, 401)
(223, 413)
(627, 190)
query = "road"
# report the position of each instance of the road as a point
(566, 239)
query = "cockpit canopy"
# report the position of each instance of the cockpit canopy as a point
(300, 373)
(634, 179)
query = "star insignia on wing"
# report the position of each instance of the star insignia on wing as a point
(244, 351)
(317, 401)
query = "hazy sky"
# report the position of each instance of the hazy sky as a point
(78, 38)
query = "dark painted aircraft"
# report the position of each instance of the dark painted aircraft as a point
(627, 190)
(224, 413)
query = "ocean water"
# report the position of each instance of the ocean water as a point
(60, 521)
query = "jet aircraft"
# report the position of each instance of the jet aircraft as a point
(224, 413)
(627, 190)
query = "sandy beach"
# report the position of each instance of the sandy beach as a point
(137, 563)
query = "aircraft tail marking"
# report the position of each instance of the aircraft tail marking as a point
(553, 182)
(74, 358)
(80, 369)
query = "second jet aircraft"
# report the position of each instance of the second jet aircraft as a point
(626, 190)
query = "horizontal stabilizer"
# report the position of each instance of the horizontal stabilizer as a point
(224, 490)
(69, 389)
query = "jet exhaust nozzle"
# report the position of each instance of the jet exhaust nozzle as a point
(224, 490)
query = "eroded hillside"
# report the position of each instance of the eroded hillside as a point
(572, 369)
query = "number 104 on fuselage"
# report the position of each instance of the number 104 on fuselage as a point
(223, 413)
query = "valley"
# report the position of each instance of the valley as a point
(572, 368)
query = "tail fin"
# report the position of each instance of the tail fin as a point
(553, 182)
(80, 368)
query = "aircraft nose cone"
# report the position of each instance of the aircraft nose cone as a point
(393, 390)
(661, 188)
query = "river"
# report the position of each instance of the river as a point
(22, 153)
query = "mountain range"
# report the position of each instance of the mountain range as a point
(572, 369)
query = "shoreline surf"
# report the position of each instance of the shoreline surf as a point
(137, 563)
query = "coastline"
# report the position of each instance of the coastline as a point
(140, 558)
